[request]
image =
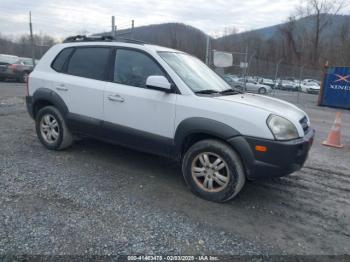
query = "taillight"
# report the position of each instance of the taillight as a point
(26, 91)
(13, 66)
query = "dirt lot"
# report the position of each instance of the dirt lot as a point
(100, 199)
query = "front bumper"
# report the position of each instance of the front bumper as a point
(281, 158)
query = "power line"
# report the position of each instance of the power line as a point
(43, 28)
(31, 37)
(50, 20)
(40, 13)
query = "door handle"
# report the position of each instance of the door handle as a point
(116, 98)
(62, 87)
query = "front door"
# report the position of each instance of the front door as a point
(135, 115)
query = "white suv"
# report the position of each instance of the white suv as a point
(169, 103)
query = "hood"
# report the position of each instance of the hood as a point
(272, 105)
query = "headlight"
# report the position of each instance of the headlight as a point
(281, 128)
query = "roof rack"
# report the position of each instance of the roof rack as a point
(108, 38)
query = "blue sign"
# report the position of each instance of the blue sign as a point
(336, 87)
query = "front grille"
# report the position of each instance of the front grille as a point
(304, 124)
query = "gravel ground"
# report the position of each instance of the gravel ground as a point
(100, 199)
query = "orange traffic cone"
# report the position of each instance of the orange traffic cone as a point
(333, 138)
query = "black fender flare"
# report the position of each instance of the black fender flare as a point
(201, 125)
(45, 94)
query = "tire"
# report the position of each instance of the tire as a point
(240, 88)
(24, 77)
(262, 90)
(195, 173)
(50, 119)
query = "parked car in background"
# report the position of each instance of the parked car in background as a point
(252, 86)
(14, 67)
(310, 87)
(288, 85)
(233, 76)
(311, 81)
(231, 80)
(268, 82)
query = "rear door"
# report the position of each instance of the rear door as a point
(138, 116)
(81, 81)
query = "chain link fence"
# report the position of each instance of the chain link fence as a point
(277, 71)
(272, 70)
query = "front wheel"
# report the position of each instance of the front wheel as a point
(213, 170)
(51, 129)
(262, 90)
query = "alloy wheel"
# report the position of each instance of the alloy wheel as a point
(210, 172)
(49, 128)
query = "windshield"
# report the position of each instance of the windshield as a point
(194, 73)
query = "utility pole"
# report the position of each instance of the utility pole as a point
(276, 73)
(114, 27)
(31, 37)
(250, 61)
(132, 28)
(300, 76)
(277, 68)
(207, 51)
(245, 68)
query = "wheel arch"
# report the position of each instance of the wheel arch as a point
(43, 97)
(192, 130)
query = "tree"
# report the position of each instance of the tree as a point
(21, 46)
(344, 43)
(229, 31)
(288, 32)
(320, 11)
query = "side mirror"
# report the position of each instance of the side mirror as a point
(159, 83)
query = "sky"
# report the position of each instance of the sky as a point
(62, 18)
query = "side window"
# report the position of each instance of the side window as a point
(132, 68)
(89, 62)
(61, 58)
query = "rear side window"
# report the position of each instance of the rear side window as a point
(89, 62)
(61, 58)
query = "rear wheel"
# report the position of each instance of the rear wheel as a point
(262, 90)
(213, 170)
(241, 88)
(24, 77)
(52, 130)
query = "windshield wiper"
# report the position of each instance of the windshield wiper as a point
(224, 92)
(230, 91)
(207, 91)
